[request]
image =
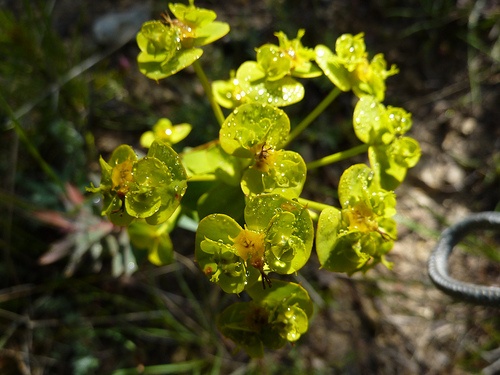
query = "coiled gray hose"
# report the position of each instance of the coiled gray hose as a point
(438, 261)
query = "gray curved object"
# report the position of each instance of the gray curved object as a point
(438, 261)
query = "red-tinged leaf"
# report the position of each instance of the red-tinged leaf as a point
(74, 195)
(57, 250)
(56, 219)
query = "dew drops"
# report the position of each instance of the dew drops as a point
(131, 266)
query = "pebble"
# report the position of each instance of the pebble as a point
(117, 28)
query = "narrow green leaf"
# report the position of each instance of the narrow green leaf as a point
(332, 67)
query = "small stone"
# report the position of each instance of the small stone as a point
(119, 27)
(468, 126)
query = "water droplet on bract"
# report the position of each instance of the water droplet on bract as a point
(131, 266)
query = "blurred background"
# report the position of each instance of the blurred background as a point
(70, 91)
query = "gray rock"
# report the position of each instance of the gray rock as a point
(119, 27)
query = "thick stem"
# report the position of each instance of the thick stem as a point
(314, 114)
(208, 91)
(313, 205)
(202, 178)
(338, 156)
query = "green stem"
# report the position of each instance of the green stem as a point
(208, 91)
(338, 156)
(29, 145)
(313, 205)
(202, 178)
(314, 114)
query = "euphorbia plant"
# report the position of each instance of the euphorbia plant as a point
(244, 188)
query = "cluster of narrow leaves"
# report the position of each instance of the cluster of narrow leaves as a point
(86, 235)
(245, 187)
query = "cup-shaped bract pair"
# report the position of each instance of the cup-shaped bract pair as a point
(277, 237)
(274, 317)
(171, 45)
(301, 58)
(269, 79)
(290, 57)
(259, 131)
(251, 83)
(155, 239)
(391, 153)
(349, 68)
(357, 236)
(164, 131)
(149, 188)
